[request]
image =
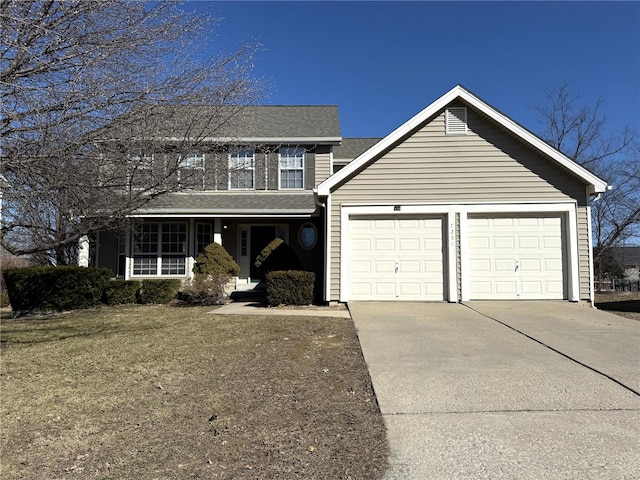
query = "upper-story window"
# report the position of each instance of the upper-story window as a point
(140, 169)
(291, 168)
(241, 168)
(192, 160)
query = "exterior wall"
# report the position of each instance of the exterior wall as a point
(583, 252)
(486, 165)
(322, 167)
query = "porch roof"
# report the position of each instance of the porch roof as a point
(232, 204)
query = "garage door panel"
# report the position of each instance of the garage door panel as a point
(503, 243)
(506, 288)
(516, 257)
(362, 266)
(361, 245)
(406, 255)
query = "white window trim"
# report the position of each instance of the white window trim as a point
(302, 169)
(159, 254)
(185, 161)
(252, 169)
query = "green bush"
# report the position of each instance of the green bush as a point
(55, 288)
(118, 292)
(4, 300)
(205, 290)
(291, 287)
(159, 290)
(277, 256)
(215, 260)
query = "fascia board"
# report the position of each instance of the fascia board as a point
(596, 185)
(260, 140)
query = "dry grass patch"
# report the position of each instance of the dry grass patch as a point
(150, 392)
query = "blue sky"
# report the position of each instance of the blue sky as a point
(382, 62)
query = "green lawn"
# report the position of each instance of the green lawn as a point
(161, 392)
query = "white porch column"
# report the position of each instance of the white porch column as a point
(83, 252)
(217, 231)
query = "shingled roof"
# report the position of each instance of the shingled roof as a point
(350, 148)
(227, 203)
(294, 124)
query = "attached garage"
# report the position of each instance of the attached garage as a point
(397, 258)
(514, 257)
(459, 203)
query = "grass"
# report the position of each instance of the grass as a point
(625, 304)
(154, 392)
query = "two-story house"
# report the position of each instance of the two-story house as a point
(458, 203)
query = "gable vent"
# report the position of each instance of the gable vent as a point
(456, 121)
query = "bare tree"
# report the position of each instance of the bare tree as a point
(87, 89)
(580, 132)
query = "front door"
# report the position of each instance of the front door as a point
(261, 235)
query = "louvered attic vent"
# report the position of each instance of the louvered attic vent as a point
(456, 120)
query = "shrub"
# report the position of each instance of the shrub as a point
(277, 255)
(55, 288)
(292, 287)
(205, 290)
(159, 290)
(4, 300)
(215, 260)
(119, 292)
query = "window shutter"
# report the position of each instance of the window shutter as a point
(456, 121)
(273, 170)
(260, 167)
(309, 170)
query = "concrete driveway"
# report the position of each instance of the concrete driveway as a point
(513, 390)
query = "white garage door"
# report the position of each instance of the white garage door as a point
(396, 258)
(516, 257)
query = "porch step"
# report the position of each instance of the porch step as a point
(258, 296)
(249, 292)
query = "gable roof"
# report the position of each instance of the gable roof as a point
(595, 184)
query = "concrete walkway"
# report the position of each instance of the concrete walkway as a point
(257, 308)
(526, 390)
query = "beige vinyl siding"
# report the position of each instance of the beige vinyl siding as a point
(458, 258)
(583, 252)
(486, 165)
(323, 155)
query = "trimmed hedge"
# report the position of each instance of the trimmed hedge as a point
(159, 290)
(118, 292)
(55, 288)
(215, 260)
(291, 287)
(277, 256)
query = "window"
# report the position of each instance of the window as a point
(160, 247)
(193, 161)
(308, 236)
(140, 169)
(204, 236)
(241, 167)
(455, 119)
(291, 168)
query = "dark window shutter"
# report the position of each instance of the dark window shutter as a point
(222, 171)
(260, 166)
(309, 170)
(272, 165)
